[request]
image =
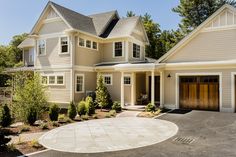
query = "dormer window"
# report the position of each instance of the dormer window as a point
(64, 45)
(118, 49)
(41, 47)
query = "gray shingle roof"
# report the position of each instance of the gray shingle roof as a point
(76, 20)
(124, 27)
(28, 42)
(101, 20)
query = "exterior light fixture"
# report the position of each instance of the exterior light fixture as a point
(169, 76)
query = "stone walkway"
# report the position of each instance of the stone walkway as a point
(128, 114)
(106, 135)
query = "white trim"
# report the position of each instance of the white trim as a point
(198, 74)
(220, 28)
(108, 75)
(85, 40)
(233, 75)
(55, 19)
(51, 35)
(84, 68)
(68, 45)
(55, 75)
(83, 86)
(122, 55)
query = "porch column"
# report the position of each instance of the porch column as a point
(153, 88)
(133, 89)
(122, 96)
(161, 88)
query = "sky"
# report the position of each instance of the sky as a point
(19, 16)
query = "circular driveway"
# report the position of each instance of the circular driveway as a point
(105, 135)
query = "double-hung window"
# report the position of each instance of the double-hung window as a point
(107, 79)
(41, 47)
(118, 49)
(95, 45)
(136, 51)
(81, 42)
(60, 80)
(79, 83)
(64, 45)
(44, 80)
(127, 80)
(52, 80)
(88, 43)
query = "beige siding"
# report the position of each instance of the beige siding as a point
(142, 54)
(53, 27)
(90, 84)
(170, 85)
(85, 56)
(26, 58)
(107, 53)
(59, 94)
(208, 46)
(52, 56)
(127, 92)
(138, 37)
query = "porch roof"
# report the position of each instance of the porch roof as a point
(12, 70)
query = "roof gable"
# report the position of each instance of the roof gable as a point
(207, 23)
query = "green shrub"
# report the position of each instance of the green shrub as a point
(108, 115)
(103, 98)
(116, 106)
(71, 111)
(113, 113)
(85, 117)
(90, 109)
(5, 116)
(55, 124)
(35, 144)
(53, 112)
(3, 140)
(81, 108)
(150, 108)
(44, 126)
(24, 128)
(95, 116)
(31, 115)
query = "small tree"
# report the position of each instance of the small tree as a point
(90, 109)
(103, 98)
(72, 111)
(31, 115)
(29, 95)
(3, 140)
(54, 112)
(81, 108)
(5, 116)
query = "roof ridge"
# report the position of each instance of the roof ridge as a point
(103, 13)
(53, 3)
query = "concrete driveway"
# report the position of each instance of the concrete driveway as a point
(205, 134)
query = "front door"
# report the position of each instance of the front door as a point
(157, 88)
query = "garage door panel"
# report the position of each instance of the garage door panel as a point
(203, 96)
(199, 92)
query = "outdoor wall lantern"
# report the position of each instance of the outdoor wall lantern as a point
(169, 76)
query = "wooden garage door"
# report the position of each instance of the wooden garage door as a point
(199, 92)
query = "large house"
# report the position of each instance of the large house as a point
(68, 49)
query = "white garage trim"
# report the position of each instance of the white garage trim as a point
(198, 74)
(233, 74)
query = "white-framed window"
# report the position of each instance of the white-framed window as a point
(44, 80)
(52, 80)
(41, 47)
(88, 43)
(118, 49)
(79, 84)
(64, 45)
(81, 42)
(127, 80)
(60, 80)
(107, 79)
(95, 45)
(136, 51)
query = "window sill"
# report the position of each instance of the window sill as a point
(62, 54)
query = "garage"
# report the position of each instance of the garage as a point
(199, 92)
